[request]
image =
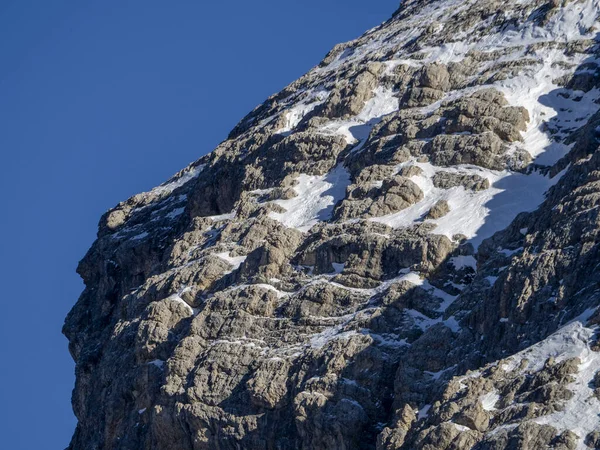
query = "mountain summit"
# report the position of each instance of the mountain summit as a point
(400, 250)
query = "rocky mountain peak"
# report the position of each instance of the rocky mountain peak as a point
(397, 251)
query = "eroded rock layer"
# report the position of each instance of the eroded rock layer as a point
(397, 251)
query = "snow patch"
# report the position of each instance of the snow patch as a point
(461, 428)
(477, 215)
(295, 114)
(176, 212)
(158, 363)
(460, 262)
(316, 198)
(338, 268)
(423, 412)
(357, 128)
(489, 400)
(177, 298)
(234, 261)
(411, 277)
(453, 324)
(330, 334)
(174, 183)
(280, 294)
(222, 217)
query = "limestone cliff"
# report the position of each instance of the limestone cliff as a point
(400, 250)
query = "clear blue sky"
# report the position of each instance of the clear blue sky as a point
(100, 100)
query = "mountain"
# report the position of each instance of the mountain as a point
(400, 250)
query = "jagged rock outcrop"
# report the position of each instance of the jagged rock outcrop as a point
(400, 250)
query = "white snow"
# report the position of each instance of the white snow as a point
(446, 298)
(296, 113)
(453, 324)
(315, 200)
(477, 215)
(176, 212)
(424, 322)
(357, 128)
(437, 375)
(222, 217)
(387, 340)
(423, 412)
(384, 102)
(411, 277)
(243, 342)
(234, 261)
(321, 339)
(461, 261)
(280, 294)
(489, 400)
(415, 278)
(177, 298)
(158, 363)
(187, 175)
(547, 103)
(535, 89)
(337, 267)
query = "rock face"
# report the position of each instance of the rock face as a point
(400, 250)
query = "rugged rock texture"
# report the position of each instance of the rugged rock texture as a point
(397, 251)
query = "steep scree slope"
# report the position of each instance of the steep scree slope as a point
(397, 251)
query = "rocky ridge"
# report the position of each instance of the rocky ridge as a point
(397, 251)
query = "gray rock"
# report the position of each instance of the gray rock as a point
(440, 209)
(350, 99)
(435, 76)
(447, 180)
(364, 201)
(485, 150)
